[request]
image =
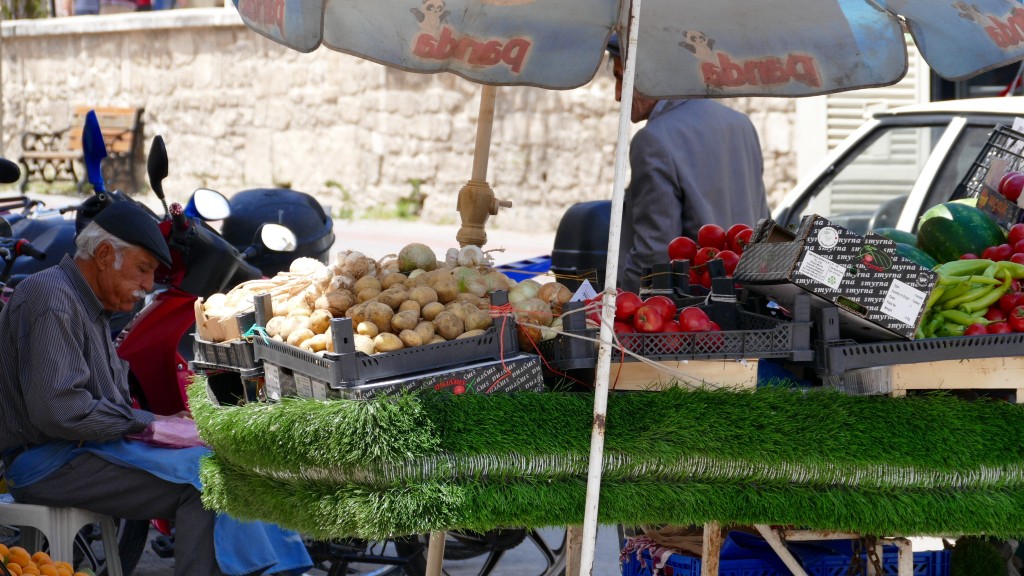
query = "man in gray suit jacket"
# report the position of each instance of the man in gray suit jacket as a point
(695, 162)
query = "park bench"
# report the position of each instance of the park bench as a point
(53, 156)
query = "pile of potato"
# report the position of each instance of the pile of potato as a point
(391, 306)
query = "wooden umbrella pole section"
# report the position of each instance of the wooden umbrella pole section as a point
(604, 354)
(435, 553)
(476, 199)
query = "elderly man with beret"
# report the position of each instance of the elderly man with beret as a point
(67, 425)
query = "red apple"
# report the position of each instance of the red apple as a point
(665, 305)
(682, 248)
(626, 304)
(711, 236)
(693, 319)
(1011, 185)
(648, 319)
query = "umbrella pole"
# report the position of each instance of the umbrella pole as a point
(476, 199)
(604, 355)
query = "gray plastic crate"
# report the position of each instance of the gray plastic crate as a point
(345, 367)
(565, 351)
(236, 356)
(836, 356)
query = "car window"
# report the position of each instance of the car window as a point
(881, 170)
(961, 158)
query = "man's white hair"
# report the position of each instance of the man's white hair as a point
(90, 238)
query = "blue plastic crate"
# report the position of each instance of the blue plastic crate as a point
(926, 563)
(525, 269)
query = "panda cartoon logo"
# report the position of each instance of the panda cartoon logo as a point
(431, 17)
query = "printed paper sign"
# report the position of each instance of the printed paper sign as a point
(822, 270)
(903, 302)
(585, 292)
(272, 381)
(303, 386)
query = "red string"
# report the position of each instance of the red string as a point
(505, 312)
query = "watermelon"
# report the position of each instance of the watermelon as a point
(897, 235)
(920, 257)
(946, 231)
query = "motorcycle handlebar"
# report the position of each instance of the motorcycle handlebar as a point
(26, 248)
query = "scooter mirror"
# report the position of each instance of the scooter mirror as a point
(208, 205)
(278, 238)
(5, 229)
(156, 166)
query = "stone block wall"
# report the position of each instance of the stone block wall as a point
(238, 111)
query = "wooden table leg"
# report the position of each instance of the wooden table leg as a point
(573, 549)
(435, 554)
(712, 552)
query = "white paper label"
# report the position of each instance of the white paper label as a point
(319, 390)
(823, 270)
(303, 386)
(584, 292)
(272, 381)
(903, 302)
(828, 237)
(1018, 126)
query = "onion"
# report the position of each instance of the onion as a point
(497, 281)
(554, 294)
(451, 258)
(534, 311)
(415, 256)
(472, 255)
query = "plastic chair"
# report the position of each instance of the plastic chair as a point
(59, 526)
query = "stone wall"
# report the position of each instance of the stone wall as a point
(238, 111)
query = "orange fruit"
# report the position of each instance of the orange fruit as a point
(4, 551)
(62, 571)
(41, 558)
(19, 556)
(14, 569)
(31, 570)
(48, 570)
(67, 566)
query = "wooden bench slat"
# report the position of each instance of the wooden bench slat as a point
(51, 155)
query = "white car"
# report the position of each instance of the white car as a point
(898, 164)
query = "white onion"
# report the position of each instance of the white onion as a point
(415, 256)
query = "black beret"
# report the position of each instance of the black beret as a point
(133, 224)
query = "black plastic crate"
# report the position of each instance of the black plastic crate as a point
(346, 368)
(755, 336)
(236, 356)
(575, 347)
(1005, 148)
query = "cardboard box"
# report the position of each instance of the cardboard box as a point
(518, 374)
(216, 329)
(880, 294)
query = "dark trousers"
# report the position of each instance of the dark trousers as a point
(92, 483)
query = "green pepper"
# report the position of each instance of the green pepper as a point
(969, 296)
(951, 329)
(962, 318)
(987, 300)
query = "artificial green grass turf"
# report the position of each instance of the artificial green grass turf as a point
(437, 461)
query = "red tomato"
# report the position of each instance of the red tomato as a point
(626, 304)
(1008, 301)
(705, 279)
(1016, 319)
(739, 243)
(623, 327)
(1011, 185)
(730, 259)
(1017, 258)
(693, 319)
(682, 248)
(976, 330)
(1002, 252)
(648, 319)
(711, 236)
(1016, 234)
(968, 256)
(713, 326)
(989, 253)
(695, 276)
(995, 314)
(665, 306)
(705, 254)
(730, 234)
(998, 328)
(1018, 246)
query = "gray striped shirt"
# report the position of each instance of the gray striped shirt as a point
(60, 377)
